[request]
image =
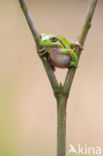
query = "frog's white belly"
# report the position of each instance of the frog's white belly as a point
(60, 60)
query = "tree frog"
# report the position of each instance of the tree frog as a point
(61, 53)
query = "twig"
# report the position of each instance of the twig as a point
(36, 37)
(30, 22)
(86, 26)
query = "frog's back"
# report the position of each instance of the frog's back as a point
(64, 41)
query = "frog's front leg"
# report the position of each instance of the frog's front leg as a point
(41, 52)
(73, 45)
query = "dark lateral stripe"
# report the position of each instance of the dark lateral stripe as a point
(62, 43)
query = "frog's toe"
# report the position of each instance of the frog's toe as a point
(73, 64)
(41, 52)
(80, 47)
(76, 44)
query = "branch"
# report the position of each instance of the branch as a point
(30, 22)
(36, 37)
(60, 92)
(85, 29)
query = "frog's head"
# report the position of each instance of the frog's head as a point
(53, 41)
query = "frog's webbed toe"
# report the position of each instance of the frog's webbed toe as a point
(41, 52)
(75, 45)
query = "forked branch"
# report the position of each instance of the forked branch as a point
(61, 92)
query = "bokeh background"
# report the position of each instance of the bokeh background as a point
(27, 105)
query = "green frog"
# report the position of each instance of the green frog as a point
(61, 53)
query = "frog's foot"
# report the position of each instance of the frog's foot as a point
(53, 67)
(41, 52)
(73, 64)
(75, 45)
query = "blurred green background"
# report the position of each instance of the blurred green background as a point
(27, 105)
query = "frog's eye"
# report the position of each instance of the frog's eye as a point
(53, 39)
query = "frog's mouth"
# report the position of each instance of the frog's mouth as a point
(52, 47)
